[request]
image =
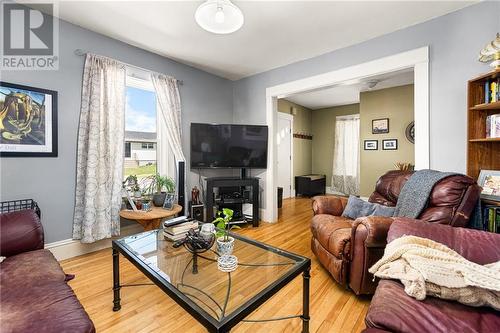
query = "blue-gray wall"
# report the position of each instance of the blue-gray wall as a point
(454, 41)
(51, 181)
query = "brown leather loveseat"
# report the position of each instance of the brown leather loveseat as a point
(34, 294)
(348, 248)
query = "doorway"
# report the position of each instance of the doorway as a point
(417, 59)
(284, 144)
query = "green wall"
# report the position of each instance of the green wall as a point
(397, 105)
(323, 129)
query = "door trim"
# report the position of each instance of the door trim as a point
(290, 118)
(417, 59)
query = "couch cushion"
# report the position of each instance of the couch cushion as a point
(357, 207)
(333, 233)
(389, 186)
(21, 232)
(51, 307)
(391, 309)
(36, 298)
(30, 268)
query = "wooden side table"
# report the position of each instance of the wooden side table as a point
(150, 220)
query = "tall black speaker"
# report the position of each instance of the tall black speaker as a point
(181, 186)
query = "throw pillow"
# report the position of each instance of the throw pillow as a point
(357, 207)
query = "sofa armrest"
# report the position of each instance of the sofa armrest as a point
(20, 231)
(332, 205)
(368, 240)
(475, 245)
(372, 229)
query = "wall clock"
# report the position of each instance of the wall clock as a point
(410, 132)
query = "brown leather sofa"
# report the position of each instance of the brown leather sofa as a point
(391, 310)
(347, 248)
(34, 293)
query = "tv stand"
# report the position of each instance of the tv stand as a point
(228, 182)
(243, 173)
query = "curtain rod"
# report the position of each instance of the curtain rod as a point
(81, 53)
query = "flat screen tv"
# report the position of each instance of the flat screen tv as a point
(228, 146)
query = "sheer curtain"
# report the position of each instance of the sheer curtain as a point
(168, 124)
(345, 173)
(99, 169)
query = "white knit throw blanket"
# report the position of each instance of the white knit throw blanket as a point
(429, 268)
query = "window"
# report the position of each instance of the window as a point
(127, 150)
(140, 129)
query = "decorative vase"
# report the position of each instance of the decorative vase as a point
(225, 247)
(159, 198)
(227, 263)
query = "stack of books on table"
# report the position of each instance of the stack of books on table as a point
(179, 231)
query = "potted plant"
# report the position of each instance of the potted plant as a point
(225, 243)
(155, 186)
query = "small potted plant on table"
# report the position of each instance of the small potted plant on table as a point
(156, 184)
(225, 243)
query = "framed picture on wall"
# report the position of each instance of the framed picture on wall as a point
(28, 121)
(390, 144)
(371, 144)
(380, 126)
(489, 180)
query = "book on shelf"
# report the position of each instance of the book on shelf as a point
(491, 218)
(492, 91)
(493, 126)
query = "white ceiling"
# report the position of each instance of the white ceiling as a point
(349, 93)
(275, 33)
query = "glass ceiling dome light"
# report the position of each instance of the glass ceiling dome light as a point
(219, 16)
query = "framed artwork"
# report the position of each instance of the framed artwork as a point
(489, 180)
(390, 144)
(371, 145)
(380, 126)
(169, 201)
(28, 121)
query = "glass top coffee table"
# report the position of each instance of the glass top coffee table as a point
(216, 299)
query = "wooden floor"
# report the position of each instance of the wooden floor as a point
(148, 309)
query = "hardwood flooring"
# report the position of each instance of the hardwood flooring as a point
(148, 309)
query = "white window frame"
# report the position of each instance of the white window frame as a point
(133, 81)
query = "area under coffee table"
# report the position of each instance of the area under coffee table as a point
(216, 299)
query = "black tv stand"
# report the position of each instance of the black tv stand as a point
(228, 182)
(243, 173)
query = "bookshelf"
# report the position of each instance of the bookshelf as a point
(482, 153)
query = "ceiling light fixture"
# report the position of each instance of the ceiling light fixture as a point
(219, 16)
(371, 84)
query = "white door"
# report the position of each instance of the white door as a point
(284, 161)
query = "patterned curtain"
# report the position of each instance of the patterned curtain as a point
(100, 150)
(345, 173)
(169, 125)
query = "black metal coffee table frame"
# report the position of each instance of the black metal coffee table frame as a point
(303, 265)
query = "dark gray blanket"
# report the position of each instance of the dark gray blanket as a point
(415, 193)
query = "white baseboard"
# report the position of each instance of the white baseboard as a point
(69, 248)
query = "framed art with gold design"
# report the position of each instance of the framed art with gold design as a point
(28, 121)
(489, 180)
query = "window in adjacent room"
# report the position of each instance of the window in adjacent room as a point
(140, 129)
